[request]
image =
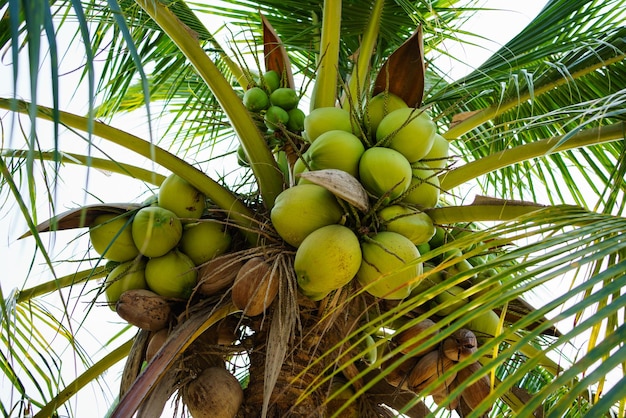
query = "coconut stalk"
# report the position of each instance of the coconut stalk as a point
(294, 374)
(263, 164)
(221, 196)
(594, 136)
(319, 351)
(325, 89)
(139, 173)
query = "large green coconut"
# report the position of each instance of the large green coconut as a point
(437, 157)
(302, 209)
(388, 269)
(204, 240)
(156, 230)
(179, 196)
(380, 106)
(172, 275)
(336, 149)
(112, 238)
(413, 224)
(385, 173)
(324, 119)
(424, 189)
(327, 260)
(409, 131)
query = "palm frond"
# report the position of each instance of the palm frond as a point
(552, 82)
(547, 248)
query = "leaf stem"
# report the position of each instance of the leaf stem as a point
(497, 109)
(263, 164)
(89, 375)
(65, 281)
(325, 89)
(359, 76)
(471, 213)
(222, 197)
(471, 170)
(139, 173)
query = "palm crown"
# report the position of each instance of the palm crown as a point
(537, 130)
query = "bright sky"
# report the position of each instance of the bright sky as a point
(16, 255)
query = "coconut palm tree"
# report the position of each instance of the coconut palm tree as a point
(514, 305)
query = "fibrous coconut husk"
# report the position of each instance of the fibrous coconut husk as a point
(460, 345)
(255, 286)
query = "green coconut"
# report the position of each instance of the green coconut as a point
(437, 157)
(380, 106)
(296, 120)
(111, 237)
(324, 119)
(172, 275)
(336, 149)
(156, 231)
(126, 276)
(204, 240)
(413, 224)
(327, 259)
(284, 97)
(179, 196)
(271, 80)
(302, 209)
(385, 173)
(387, 270)
(424, 189)
(256, 99)
(450, 297)
(409, 131)
(275, 117)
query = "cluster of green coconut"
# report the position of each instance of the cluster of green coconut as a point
(158, 247)
(274, 108)
(170, 249)
(395, 154)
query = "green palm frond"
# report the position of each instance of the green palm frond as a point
(541, 120)
(548, 247)
(26, 350)
(542, 84)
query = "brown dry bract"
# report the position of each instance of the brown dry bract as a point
(403, 72)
